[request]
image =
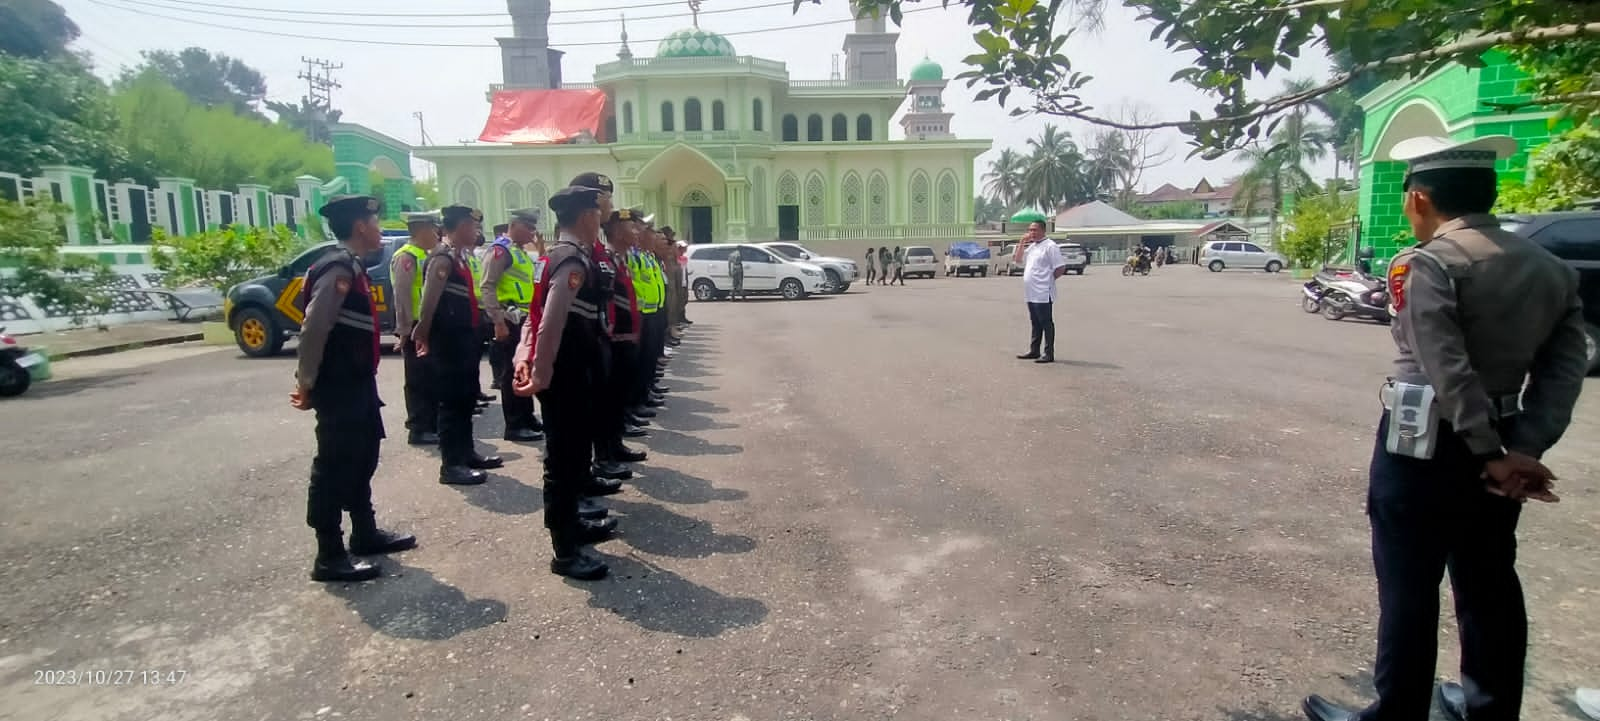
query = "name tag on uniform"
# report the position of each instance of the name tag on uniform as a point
(1413, 420)
(538, 269)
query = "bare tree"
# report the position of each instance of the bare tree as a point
(1146, 149)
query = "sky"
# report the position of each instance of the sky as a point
(445, 75)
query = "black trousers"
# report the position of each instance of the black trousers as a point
(1429, 517)
(518, 410)
(619, 392)
(652, 343)
(349, 430)
(422, 409)
(456, 354)
(571, 423)
(1042, 317)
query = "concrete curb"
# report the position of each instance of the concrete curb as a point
(118, 347)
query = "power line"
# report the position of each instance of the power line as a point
(168, 5)
(225, 6)
(357, 41)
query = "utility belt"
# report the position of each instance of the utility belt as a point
(514, 315)
(1414, 416)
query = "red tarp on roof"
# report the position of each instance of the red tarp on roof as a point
(543, 116)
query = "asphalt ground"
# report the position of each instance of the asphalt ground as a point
(856, 507)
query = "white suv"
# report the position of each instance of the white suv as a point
(765, 272)
(840, 272)
(1220, 254)
(921, 260)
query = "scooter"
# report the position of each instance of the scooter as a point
(15, 364)
(1338, 293)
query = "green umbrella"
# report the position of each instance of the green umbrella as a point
(1029, 216)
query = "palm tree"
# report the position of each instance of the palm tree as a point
(1278, 170)
(1054, 174)
(1004, 179)
(1110, 164)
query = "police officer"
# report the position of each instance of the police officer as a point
(565, 367)
(337, 377)
(447, 330)
(736, 274)
(506, 291)
(622, 232)
(405, 274)
(1482, 316)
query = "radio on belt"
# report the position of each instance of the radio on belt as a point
(1413, 419)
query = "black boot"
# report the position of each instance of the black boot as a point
(534, 424)
(334, 563)
(624, 454)
(643, 411)
(659, 389)
(612, 470)
(461, 476)
(366, 539)
(523, 435)
(484, 398)
(590, 510)
(423, 438)
(597, 531)
(571, 561)
(484, 463)
(595, 487)
(634, 431)
(653, 402)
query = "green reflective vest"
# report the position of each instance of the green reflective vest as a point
(646, 281)
(515, 287)
(421, 257)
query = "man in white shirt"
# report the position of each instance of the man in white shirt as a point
(1043, 265)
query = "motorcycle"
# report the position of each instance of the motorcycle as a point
(1337, 293)
(1136, 264)
(16, 363)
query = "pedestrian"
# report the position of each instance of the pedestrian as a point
(736, 273)
(885, 261)
(447, 330)
(337, 376)
(405, 276)
(1490, 359)
(1042, 264)
(899, 265)
(872, 267)
(565, 348)
(506, 291)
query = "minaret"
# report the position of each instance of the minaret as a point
(624, 53)
(926, 118)
(526, 58)
(869, 50)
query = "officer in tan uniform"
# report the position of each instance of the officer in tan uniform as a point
(405, 275)
(506, 290)
(1490, 341)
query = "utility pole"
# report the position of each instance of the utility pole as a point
(422, 130)
(319, 94)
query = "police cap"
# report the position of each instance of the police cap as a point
(458, 213)
(427, 218)
(575, 198)
(528, 216)
(351, 207)
(593, 180)
(1437, 153)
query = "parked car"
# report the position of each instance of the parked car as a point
(1573, 237)
(765, 272)
(1221, 254)
(1076, 256)
(968, 257)
(1004, 266)
(921, 260)
(840, 272)
(266, 311)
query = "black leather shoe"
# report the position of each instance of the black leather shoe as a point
(659, 389)
(1452, 700)
(534, 424)
(589, 510)
(632, 431)
(653, 403)
(600, 487)
(478, 411)
(423, 438)
(644, 412)
(624, 454)
(612, 470)
(341, 568)
(579, 566)
(380, 541)
(461, 476)
(1030, 355)
(1045, 359)
(597, 531)
(484, 463)
(523, 435)
(484, 398)
(1318, 708)
(494, 386)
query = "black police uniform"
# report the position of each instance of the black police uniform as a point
(454, 346)
(342, 348)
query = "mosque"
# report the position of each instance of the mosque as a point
(725, 147)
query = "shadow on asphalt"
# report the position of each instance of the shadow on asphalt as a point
(678, 444)
(504, 494)
(69, 386)
(657, 599)
(409, 602)
(683, 385)
(659, 531)
(1087, 364)
(1566, 702)
(672, 486)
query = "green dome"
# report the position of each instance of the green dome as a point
(1029, 216)
(927, 71)
(694, 43)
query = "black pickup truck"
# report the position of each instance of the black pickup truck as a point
(1574, 237)
(264, 312)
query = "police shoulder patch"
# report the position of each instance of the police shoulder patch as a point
(574, 280)
(1398, 273)
(342, 285)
